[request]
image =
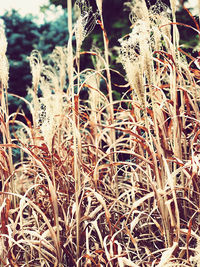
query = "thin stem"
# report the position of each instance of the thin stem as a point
(111, 106)
(76, 167)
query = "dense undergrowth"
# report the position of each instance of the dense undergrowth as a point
(103, 182)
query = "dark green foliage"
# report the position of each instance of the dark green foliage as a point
(52, 34)
(21, 37)
(24, 35)
(189, 39)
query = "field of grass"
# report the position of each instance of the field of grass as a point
(103, 182)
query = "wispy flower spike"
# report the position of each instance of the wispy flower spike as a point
(85, 23)
(36, 67)
(4, 67)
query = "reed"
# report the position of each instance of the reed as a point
(104, 182)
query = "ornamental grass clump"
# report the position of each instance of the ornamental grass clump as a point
(103, 182)
(48, 109)
(137, 48)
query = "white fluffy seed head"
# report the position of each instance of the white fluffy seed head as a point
(49, 116)
(4, 66)
(85, 23)
(36, 67)
(4, 71)
(80, 32)
(3, 41)
(136, 50)
(139, 10)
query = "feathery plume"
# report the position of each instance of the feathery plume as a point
(4, 67)
(85, 23)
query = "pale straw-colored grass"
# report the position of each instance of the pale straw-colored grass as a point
(103, 182)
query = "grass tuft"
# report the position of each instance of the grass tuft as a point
(104, 182)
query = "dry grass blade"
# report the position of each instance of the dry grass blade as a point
(167, 255)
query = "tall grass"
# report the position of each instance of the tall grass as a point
(103, 182)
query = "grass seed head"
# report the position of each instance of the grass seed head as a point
(4, 71)
(36, 67)
(139, 10)
(85, 23)
(4, 67)
(3, 41)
